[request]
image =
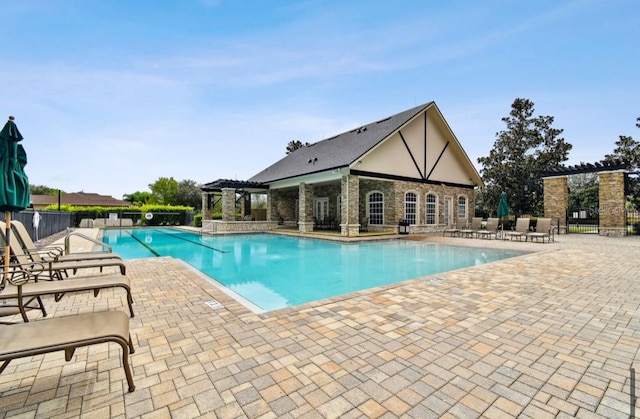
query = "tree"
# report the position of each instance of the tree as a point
(294, 145)
(583, 190)
(43, 190)
(165, 191)
(628, 151)
(259, 201)
(139, 198)
(189, 194)
(520, 153)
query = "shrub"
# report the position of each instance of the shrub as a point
(161, 214)
(164, 215)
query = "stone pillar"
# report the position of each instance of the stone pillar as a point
(350, 190)
(245, 204)
(228, 204)
(556, 200)
(613, 216)
(305, 208)
(272, 210)
(206, 210)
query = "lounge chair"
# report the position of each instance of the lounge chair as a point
(28, 294)
(490, 229)
(476, 224)
(522, 228)
(56, 253)
(14, 303)
(543, 230)
(56, 269)
(455, 231)
(67, 333)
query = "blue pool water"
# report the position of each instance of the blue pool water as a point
(274, 271)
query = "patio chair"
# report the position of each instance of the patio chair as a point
(543, 230)
(455, 231)
(57, 269)
(66, 334)
(11, 302)
(522, 228)
(490, 229)
(56, 253)
(476, 224)
(27, 296)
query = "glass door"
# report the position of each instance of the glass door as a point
(448, 211)
(321, 208)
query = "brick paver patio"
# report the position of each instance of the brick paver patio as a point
(552, 333)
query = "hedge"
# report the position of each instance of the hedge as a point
(161, 214)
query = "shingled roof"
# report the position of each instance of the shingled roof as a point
(79, 199)
(338, 151)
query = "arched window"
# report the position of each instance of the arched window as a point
(431, 205)
(375, 204)
(462, 207)
(410, 207)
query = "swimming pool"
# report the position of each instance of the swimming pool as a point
(273, 271)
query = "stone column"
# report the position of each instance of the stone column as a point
(206, 210)
(272, 211)
(350, 190)
(556, 200)
(613, 216)
(228, 204)
(245, 204)
(305, 208)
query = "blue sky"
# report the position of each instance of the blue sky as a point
(111, 95)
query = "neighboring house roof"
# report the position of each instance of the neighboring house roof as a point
(349, 148)
(79, 199)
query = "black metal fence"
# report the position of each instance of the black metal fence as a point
(138, 218)
(51, 222)
(633, 223)
(583, 220)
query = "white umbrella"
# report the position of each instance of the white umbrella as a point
(36, 222)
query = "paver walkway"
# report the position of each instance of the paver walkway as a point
(553, 333)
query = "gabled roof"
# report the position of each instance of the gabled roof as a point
(338, 151)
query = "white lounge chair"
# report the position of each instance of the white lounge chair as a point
(543, 230)
(522, 228)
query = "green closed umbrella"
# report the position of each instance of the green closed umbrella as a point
(14, 183)
(503, 208)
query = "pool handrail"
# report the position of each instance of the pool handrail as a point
(67, 243)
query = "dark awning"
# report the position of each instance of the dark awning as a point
(238, 185)
(602, 166)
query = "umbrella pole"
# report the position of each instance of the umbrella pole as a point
(7, 249)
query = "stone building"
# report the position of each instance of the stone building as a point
(409, 166)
